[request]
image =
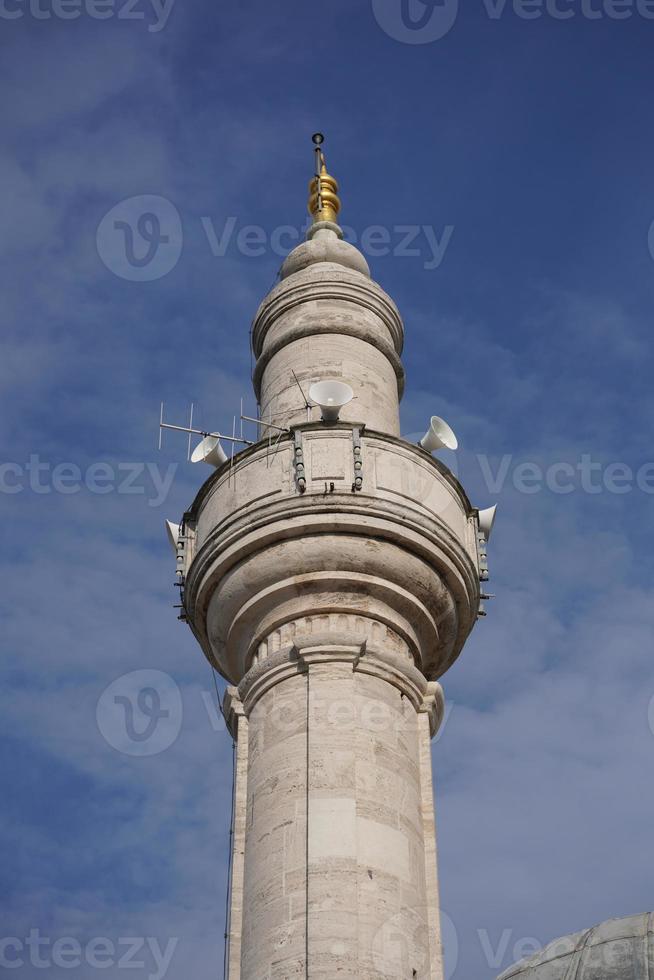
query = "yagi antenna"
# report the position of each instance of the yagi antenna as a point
(211, 440)
(197, 432)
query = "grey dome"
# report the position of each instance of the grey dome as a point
(618, 949)
(325, 244)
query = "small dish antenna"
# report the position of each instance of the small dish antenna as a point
(209, 450)
(331, 397)
(438, 436)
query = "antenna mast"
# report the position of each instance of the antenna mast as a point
(318, 140)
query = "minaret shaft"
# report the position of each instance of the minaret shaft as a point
(339, 872)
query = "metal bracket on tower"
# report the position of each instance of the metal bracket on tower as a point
(483, 557)
(482, 552)
(358, 461)
(180, 571)
(298, 459)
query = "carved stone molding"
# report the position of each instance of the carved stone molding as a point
(358, 629)
(310, 329)
(389, 662)
(310, 286)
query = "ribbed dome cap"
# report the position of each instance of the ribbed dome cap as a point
(618, 949)
(324, 244)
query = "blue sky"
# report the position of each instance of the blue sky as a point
(524, 147)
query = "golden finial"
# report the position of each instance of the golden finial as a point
(324, 202)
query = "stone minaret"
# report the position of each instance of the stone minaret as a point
(331, 573)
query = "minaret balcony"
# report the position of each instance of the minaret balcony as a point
(331, 520)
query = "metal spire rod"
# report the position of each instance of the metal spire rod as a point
(269, 425)
(318, 139)
(201, 432)
(324, 202)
